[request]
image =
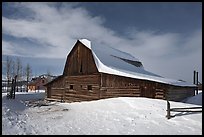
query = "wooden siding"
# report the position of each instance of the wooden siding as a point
(103, 86)
(115, 86)
(80, 90)
(108, 86)
(80, 61)
(55, 88)
(179, 93)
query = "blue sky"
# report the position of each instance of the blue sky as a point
(166, 37)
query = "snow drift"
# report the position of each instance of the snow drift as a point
(119, 116)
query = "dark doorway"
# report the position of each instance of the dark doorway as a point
(147, 92)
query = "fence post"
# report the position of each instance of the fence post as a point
(62, 100)
(14, 91)
(168, 110)
(194, 77)
(197, 83)
(8, 85)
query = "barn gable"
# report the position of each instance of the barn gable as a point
(80, 61)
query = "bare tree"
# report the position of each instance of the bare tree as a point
(28, 74)
(18, 71)
(22, 76)
(8, 69)
(13, 68)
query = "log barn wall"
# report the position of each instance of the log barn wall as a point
(116, 86)
(55, 89)
(175, 93)
(75, 88)
(81, 88)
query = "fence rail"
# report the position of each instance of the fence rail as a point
(187, 109)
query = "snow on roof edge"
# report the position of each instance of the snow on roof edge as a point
(86, 42)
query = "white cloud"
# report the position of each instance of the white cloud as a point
(9, 48)
(58, 28)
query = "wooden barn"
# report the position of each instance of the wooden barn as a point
(95, 71)
(37, 83)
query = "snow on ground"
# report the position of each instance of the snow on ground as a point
(36, 90)
(119, 116)
(195, 99)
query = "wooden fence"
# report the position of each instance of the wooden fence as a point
(187, 109)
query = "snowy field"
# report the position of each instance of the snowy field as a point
(119, 116)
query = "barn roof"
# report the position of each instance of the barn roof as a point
(112, 61)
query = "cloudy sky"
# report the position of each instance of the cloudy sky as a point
(165, 37)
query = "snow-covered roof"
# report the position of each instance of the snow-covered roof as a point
(112, 61)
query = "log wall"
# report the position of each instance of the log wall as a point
(107, 86)
(179, 93)
(117, 86)
(76, 88)
(55, 90)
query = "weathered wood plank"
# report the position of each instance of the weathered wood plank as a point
(81, 96)
(159, 96)
(52, 99)
(159, 90)
(122, 87)
(118, 95)
(57, 88)
(159, 93)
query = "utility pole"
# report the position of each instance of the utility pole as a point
(14, 91)
(197, 83)
(195, 80)
(194, 77)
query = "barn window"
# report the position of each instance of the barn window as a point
(89, 87)
(71, 87)
(129, 84)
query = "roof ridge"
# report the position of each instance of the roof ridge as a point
(86, 42)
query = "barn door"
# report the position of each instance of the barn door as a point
(49, 92)
(142, 89)
(147, 92)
